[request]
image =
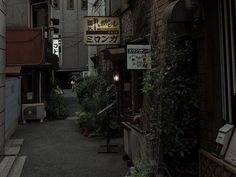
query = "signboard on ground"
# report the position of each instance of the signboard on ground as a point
(101, 30)
(138, 57)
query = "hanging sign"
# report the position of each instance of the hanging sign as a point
(56, 43)
(139, 57)
(101, 30)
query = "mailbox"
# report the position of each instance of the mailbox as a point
(223, 138)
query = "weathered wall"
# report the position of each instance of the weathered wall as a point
(12, 105)
(209, 76)
(17, 13)
(75, 53)
(2, 71)
(98, 10)
(136, 20)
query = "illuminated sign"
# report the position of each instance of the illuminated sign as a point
(139, 57)
(101, 30)
(56, 43)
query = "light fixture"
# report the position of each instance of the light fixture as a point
(116, 77)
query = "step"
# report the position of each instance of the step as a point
(13, 146)
(12, 151)
(15, 142)
(17, 168)
(6, 165)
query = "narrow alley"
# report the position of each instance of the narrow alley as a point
(152, 83)
(57, 149)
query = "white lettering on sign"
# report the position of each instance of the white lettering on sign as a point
(101, 30)
(55, 47)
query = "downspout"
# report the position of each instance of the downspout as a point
(77, 33)
(40, 87)
(2, 79)
(29, 14)
(62, 31)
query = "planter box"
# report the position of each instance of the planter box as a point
(137, 145)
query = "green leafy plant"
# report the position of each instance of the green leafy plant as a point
(94, 93)
(56, 107)
(141, 169)
(171, 100)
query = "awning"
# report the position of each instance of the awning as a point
(25, 46)
(13, 70)
(115, 54)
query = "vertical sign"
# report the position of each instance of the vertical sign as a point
(139, 57)
(56, 46)
(101, 30)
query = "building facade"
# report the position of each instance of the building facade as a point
(2, 72)
(210, 27)
(95, 8)
(70, 14)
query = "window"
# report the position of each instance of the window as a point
(70, 4)
(56, 4)
(84, 4)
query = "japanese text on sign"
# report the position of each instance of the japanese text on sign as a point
(56, 43)
(138, 57)
(101, 30)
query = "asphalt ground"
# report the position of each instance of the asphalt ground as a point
(57, 149)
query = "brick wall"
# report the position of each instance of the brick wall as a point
(159, 12)
(136, 20)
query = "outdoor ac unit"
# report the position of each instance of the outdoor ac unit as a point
(33, 112)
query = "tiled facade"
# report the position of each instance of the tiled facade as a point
(2, 71)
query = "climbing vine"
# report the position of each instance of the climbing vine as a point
(171, 99)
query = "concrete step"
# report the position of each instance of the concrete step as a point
(14, 142)
(13, 146)
(17, 168)
(6, 165)
(12, 151)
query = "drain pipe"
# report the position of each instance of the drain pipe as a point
(2, 74)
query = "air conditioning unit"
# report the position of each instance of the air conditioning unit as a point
(33, 112)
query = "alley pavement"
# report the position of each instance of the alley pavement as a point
(57, 149)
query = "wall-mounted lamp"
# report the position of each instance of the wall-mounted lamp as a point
(116, 77)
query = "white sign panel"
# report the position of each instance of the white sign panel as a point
(101, 30)
(56, 47)
(139, 57)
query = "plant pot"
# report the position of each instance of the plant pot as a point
(86, 132)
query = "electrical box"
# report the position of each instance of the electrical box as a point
(223, 138)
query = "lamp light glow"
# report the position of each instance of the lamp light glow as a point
(116, 78)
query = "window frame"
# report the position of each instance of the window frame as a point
(84, 6)
(70, 5)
